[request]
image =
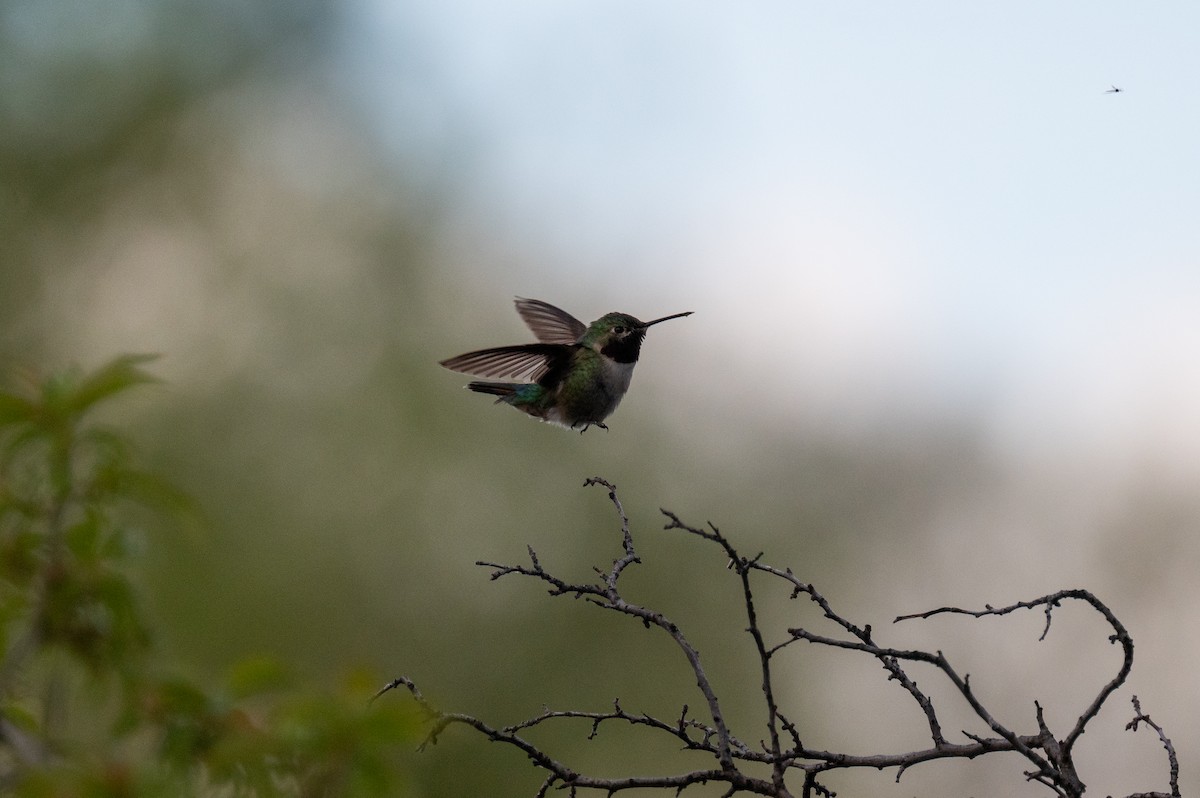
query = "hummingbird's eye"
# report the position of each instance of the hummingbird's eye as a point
(620, 329)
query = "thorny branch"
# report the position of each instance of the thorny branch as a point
(1172, 760)
(1050, 757)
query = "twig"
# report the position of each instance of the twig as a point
(1051, 758)
(1172, 760)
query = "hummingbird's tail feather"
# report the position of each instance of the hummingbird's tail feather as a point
(501, 389)
(527, 397)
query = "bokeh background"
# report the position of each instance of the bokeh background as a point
(944, 348)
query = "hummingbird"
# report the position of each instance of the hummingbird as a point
(577, 373)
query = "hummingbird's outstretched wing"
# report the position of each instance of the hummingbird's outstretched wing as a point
(550, 325)
(526, 361)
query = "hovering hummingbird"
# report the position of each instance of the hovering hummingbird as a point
(1114, 90)
(578, 372)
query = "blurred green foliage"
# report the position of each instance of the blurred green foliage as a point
(84, 706)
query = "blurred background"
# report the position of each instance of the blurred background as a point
(944, 348)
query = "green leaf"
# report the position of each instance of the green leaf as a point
(21, 717)
(16, 444)
(16, 410)
(83, 538)
(155, 493)
(113, 377)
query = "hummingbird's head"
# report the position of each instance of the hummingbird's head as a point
(620, 336)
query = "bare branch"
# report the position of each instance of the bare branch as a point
(1049, 603)
(1052, 760)
(764, 655)
(608, 596)
(1172, 760)
(863, 634)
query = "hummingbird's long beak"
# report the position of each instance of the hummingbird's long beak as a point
(646, 324)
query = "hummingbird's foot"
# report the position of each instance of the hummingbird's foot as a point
(599, 424)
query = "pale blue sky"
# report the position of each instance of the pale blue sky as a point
(915, 204)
